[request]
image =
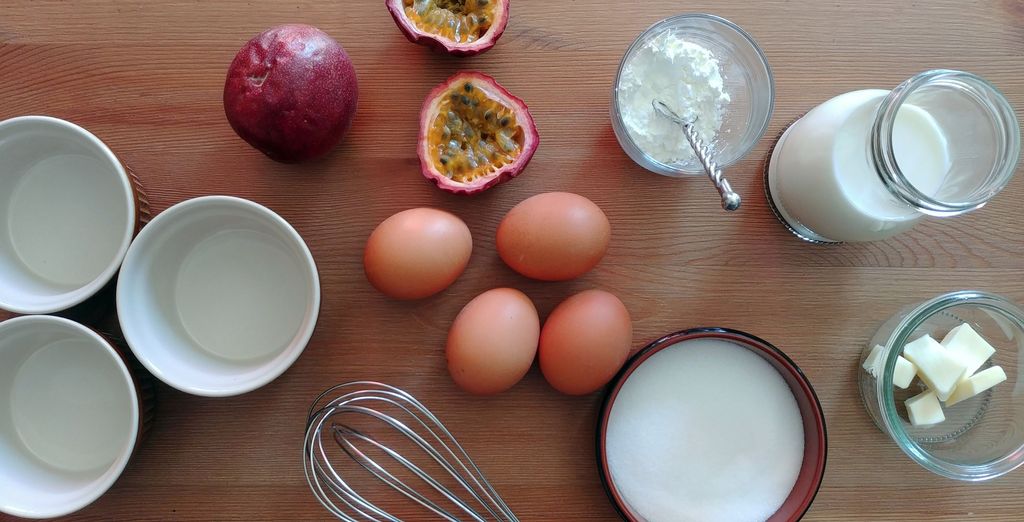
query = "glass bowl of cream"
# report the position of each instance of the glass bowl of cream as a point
(707, 70)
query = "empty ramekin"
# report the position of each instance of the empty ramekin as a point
(70, 209)
(71, 417)
(218, 296)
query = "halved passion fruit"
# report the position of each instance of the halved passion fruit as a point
(457, 27)
(474, 134)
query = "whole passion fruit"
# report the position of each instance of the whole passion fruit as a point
(474, 134)
(291, 93)
(457, 27)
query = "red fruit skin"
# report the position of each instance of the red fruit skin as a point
(444, 45)
(291, 92)
(523, 117)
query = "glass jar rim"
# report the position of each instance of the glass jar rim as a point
(885, 159)
(884, 387)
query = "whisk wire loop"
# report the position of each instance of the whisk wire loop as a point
(400, 413)
(341, 434)
(319, 476)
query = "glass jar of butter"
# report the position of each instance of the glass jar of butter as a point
(981, 437)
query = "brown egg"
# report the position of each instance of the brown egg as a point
(417, 253)
(585, 342)
(554, 236)
(493, 341)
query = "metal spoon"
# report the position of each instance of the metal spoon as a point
(730, 199)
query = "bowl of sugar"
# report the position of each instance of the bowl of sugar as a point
(711, 424)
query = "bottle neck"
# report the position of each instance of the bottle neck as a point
(974, 149)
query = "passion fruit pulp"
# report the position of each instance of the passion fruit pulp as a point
(457, 27)
(474, 134)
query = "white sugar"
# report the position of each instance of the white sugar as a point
(705, 430)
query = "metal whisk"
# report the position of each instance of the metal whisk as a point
(395, 413)
(730, 199)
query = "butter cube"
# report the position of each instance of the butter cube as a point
(901, 377)
(969, 347)
(938, 368)
(871, 363)
(904, 373)
(924, 409)
(976, 384)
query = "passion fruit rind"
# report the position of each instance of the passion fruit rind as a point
(455, 27)
(474, 134)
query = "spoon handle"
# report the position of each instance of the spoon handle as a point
(730, 199)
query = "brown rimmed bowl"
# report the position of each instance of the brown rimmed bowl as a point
(812, 469)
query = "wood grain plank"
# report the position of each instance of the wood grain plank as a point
(147, 78)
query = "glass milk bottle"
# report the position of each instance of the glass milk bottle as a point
(869, 164)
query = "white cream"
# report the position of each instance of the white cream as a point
(688, 78)
(679, 441)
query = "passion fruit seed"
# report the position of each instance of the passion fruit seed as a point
(461, 21)
(473, 134)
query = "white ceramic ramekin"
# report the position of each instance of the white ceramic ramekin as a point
(70, 208)
(71, 417)
(218, 296)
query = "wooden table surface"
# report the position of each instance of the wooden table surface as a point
(147, 78)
